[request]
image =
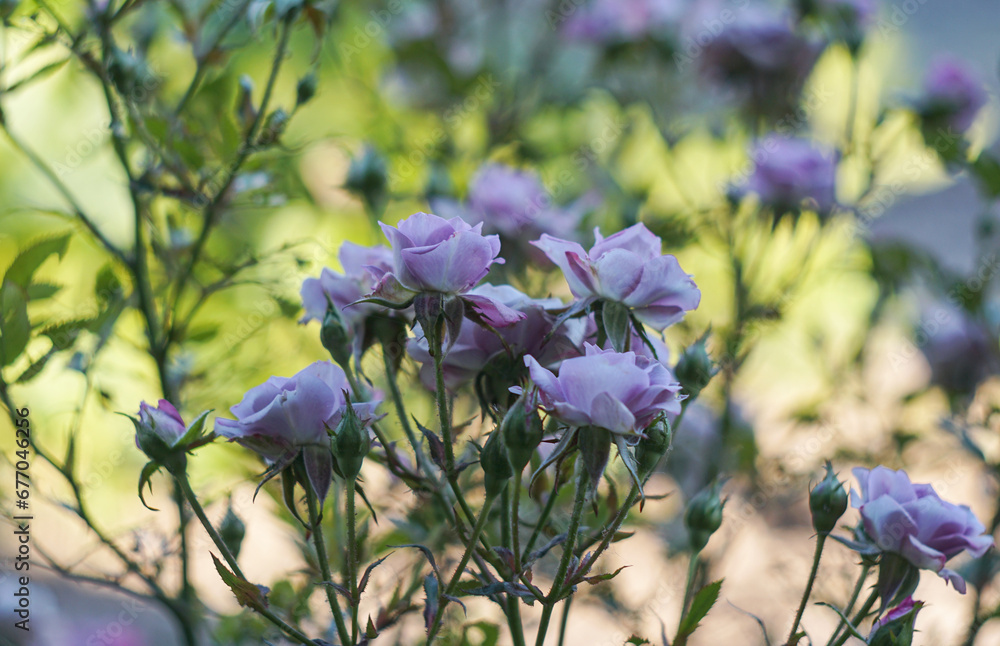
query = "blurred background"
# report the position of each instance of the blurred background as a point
(622, 123)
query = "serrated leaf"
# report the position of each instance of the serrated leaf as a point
(34, 369)
(516, 589)
(64, 333)
(247, 594)
(364, 499)
(431, 588)
(27, 262)
(700, 605)
(427, 553)
(40, 74)
(368, 572)
(15, 328)
(637, 641)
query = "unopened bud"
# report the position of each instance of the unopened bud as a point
(695, 368)
(522, 431)
(653, 447)
(496, 466)
(273, 128)
(704, 515)
(306, 89)
(350, 444)
(827, 502)
(232, 530)
(334, 337)
(897, 626)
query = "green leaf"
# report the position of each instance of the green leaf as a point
(34, 369)
(40, 74)
(637, 641)
(370, 631)
(64, 333)
(987, 171)
(700, 605)
(247, 594)
(617, 324)
(15, 328)
(31, 258)
(40, 291)
(194, 429)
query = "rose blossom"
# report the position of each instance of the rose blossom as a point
(284, 417)
(912, 521)
(438, 256)
(617, 391)
(514, 204)
(627, 267)
(958, 348)
(952, 91)
(792, 171)
(164, 420)
(343, 290)
(476, 348)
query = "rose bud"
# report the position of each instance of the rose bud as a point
(704, 516)
(522, 431)
(496, 465)
(350, 444)
(827, 502)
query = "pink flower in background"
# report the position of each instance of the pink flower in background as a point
(617, 391)
(953, 92)
(911, 520)
(628, 267)
(791, 172)
(285, 417)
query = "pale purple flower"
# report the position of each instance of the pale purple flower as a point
(617, 391)
(762, 57)
(952, 91)
(621, 21)
(630, 268)
(911, 520)
(515, 205)
(360, 265)
(343, 289)
(477, 349)
(284, 417)
(164, 421)
(433, 255)
(959, 349)
(790, 172)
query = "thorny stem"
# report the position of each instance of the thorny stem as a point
(352, 554)
(854, 599)
(324, 565)
(688, 587)
(861, 614)
(567, 555)
(470, 547)
(820, 541)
